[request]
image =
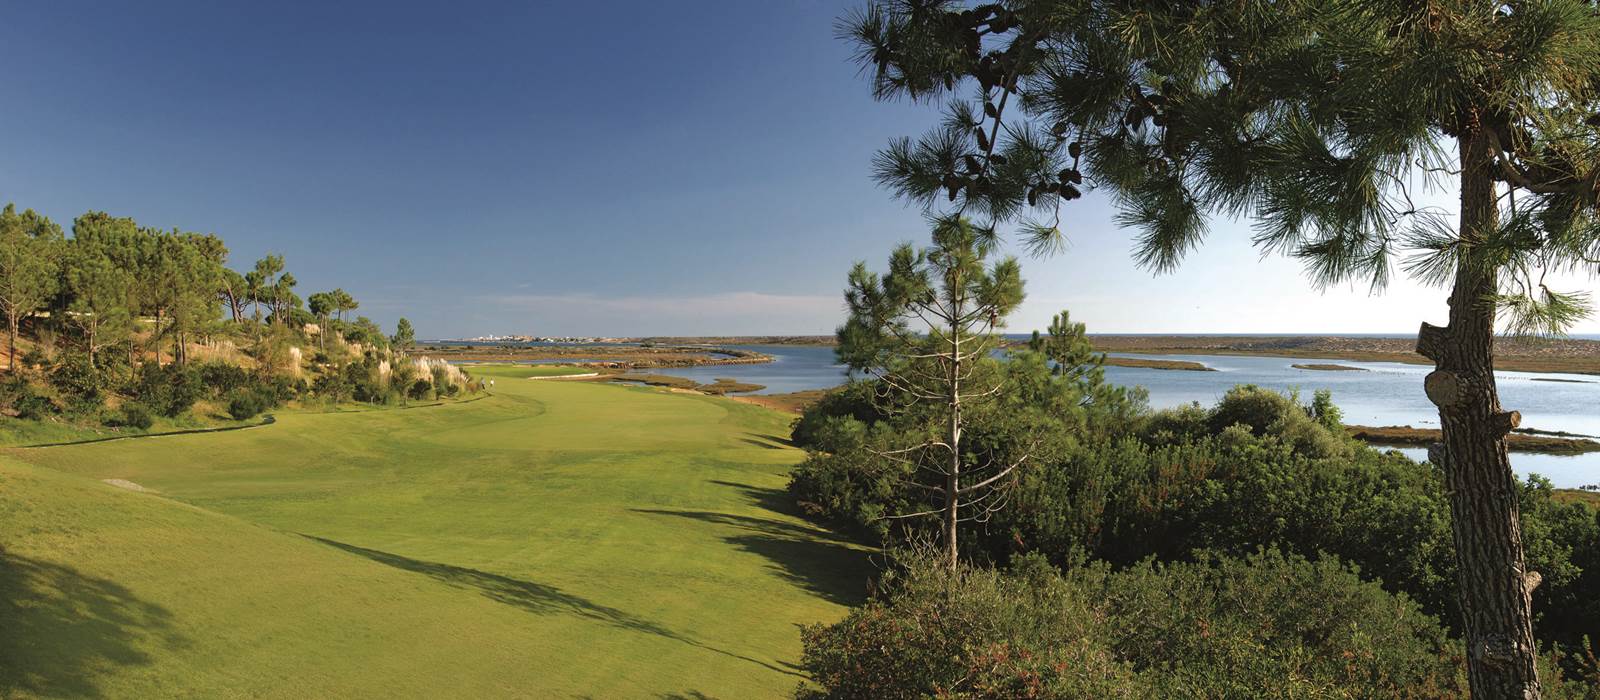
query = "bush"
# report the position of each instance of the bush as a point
(223, 378)
(29, 404)
(1263, 625)
(170, 390)
(246, 405)
(420, 389)
(851, 402)
(136, 415)
(978, 633)
(78, 382)
(1272, 624)
(362, 377)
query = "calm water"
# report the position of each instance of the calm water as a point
(1386, 393)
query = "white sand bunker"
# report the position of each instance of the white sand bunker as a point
(129, 485)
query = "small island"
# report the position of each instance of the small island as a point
(1329, 368)
(1152, 363)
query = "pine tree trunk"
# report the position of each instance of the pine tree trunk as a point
(11, 348)
(952, 480)
(1491, 574)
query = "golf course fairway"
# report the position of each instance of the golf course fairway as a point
(555, 539)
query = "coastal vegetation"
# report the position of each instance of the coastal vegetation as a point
(1314, 121)
(1259, 488)
(122, 329)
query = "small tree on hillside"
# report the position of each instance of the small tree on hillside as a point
(343, 302)
(404, 335)
(923, 329)
(1315, 118)
(261, 282)
(234, 291)
(29, 250)
(321, 305)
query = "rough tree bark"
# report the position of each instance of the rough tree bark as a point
(952, 480)
(1485, 520)
(11, 346)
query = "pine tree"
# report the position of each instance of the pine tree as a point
(1314, 118)
(922, 329)
(404, 335)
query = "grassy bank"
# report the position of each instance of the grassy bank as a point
(1405, 435)
(556, 539)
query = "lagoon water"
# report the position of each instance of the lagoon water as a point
(1385, 393)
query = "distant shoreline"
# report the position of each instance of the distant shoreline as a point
(1540, 355)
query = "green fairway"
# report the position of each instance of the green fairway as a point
(558, 539)
(524, 371)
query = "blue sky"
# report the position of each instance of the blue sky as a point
(553, 168)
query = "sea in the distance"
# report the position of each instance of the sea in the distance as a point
(1387, 393)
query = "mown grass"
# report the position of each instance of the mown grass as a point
(524, 371)
(556, 539)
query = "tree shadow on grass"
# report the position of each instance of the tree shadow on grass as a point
(805, 556)
(763, 444)
(772, 442)
(60, 630)
(533, 597)
(768, 499)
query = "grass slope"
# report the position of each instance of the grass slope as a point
(555, 540)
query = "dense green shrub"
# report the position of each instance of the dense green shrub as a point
(170, 390)
(852, 404)
(135, 415)
(223, 378)
(77, 382)
(20, 396)
(1258, 469)
(1271, 624)
(1263, 625)
(975, 634)
(365, 385)
(419, 389)
(246, 404)
(332, 387)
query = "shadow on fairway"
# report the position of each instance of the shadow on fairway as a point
(60, 630)
(771, 442)
(533, 597)
(772, 500)
(764, 444)
(805, 556)
(530, 596)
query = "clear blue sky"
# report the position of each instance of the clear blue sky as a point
(553, 168)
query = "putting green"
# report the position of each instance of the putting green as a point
(557, 539)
